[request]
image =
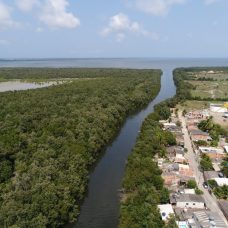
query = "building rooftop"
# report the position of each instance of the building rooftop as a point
(221, 181)
(223, 204)
(188, 198)
(211, 150)
(198, 132)
(208, 219)
(208, 175)
(165, 210)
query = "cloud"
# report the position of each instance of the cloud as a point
(120, 25)
(6, 20)
(27, 5)
(155, 7)
(54, 14)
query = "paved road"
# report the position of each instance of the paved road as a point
(193, 162)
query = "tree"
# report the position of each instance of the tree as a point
(171, 223)
(206, 163)
(191, 184)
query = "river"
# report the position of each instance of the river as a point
(100, 208)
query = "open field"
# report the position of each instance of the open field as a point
(190, 105)
(215, 75)
(209, 89)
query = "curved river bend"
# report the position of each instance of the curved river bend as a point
(101, 205)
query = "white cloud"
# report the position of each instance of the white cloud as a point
(27, 5)
(5, 17)
(120, 25)
(54, 14)
(155, 7)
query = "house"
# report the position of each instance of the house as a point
(166, 210)
(185, 170)
(192, 122)
(175, 150)
(223, 204)
(171, 179)
(180, 159)
(213, 152)
(172, 151)
(221, 181)
(192, 128)
(207, 219)
(198, 135)
(196, 115)
(185, 214)
(180, 139)
(188, 201)
(209, 175)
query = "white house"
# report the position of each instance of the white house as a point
(221, 181)
(165, 210)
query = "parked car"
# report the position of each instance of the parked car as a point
(220, 174)
(205, 185)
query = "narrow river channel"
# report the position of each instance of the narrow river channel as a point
(100, 208)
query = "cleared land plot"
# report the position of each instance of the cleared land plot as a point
(210, 89)
(213, 75)
(190, 105)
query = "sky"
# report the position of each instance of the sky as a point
(113, 28)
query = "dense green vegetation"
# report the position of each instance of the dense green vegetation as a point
(206, 163)
(63, 73)
(50, 137)
(143, 184)
(221, 192)
(225, 167)
(215, 130)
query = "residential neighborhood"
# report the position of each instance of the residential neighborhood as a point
(195, 170)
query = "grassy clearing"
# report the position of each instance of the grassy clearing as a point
(190, 105)
(209, 89)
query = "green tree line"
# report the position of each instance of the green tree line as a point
(143, 185)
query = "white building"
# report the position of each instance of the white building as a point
(221, 181)
(218, 108)
(189, 191)
(165, 210)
